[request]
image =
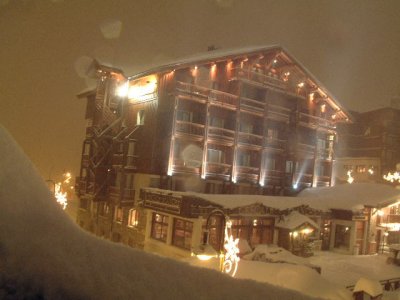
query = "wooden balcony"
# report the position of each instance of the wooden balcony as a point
(315, 122)
(275, 144)
(221, 134)
(219, 170)
(250, 139)
(322, 180)
(247, 173)
(278, 113)
(189, 129)
(391, 219)
(305, 148)
(215, 97)
(252, 105)
(303, 178)
(274, 174)
(259, 78)
(186, 166)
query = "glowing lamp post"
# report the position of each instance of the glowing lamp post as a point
(229, 259)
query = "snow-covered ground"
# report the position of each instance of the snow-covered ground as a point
(45, 255)
(346, 270)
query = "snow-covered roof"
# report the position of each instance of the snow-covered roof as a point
(351, 197)
(371, 287)
(295, 220)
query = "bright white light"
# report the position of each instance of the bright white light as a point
(295, 186)
(301, 84)
(392, 177)
(122, 90)
(350, 178)
(371, 171)
(295, 234)
(380, 213)
(232, 259)
(60, 196)
(142, 92)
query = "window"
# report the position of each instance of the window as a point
(133, 218)
(289, 166)
(272, 134)
(270, 164)
(182, 234)
(159, 228)
(246, 127)
(140, 117)
(118, 215)
(86, 148)
(244, 159)
(215, 156)
(103, 209)
(217, 122)
(186, 116)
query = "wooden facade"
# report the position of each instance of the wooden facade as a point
(374, 134)
(239, 122)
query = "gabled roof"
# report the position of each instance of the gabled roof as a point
(231, 54)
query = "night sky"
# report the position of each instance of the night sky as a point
(352, 47)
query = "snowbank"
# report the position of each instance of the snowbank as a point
(43, 254)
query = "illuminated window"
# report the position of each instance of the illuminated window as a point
(159, 228)
(118, 215)
(140, 117)
(182, 234)
(133, 218)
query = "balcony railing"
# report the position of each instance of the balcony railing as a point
(250, 139)
(189, 128)
(303, 177)
(278, 112)
(305, 147)
(247, 173)
(259, 77)
(215, 96)
(186, 166)
(251, 104)
(274, 174)
(275, 143)
(391, 219)
(314, 121)
(222, 133)
(215, 168)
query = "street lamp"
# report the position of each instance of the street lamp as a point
(228, 255)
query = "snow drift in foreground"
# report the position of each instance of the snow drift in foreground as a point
(43, 254)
